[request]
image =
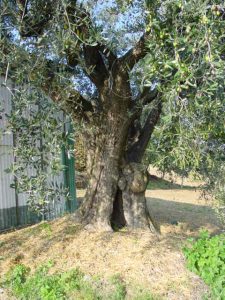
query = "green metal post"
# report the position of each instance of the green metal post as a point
(69, 174)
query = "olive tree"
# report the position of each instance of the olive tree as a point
(114, 77)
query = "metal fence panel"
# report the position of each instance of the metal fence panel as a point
(14, 210)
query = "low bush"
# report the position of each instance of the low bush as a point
(206, 257)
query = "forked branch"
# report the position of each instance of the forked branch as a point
(136, 151)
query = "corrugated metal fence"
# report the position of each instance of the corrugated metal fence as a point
(13, 206)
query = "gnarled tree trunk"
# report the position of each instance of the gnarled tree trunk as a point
(117, 180)
(115, 144)
(115, 196)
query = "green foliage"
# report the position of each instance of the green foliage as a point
(216, 185)
(42, 285)
(43, 228)
(120, 288)
(17, 277)
(39, 126)
(72, 284)
(186, 63)
(206, 257)
(39, 137)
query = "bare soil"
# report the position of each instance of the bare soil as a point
(143, 260)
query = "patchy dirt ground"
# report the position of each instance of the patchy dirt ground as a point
(142, 259)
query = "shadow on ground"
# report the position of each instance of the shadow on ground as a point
(186, 216)
(163, 184)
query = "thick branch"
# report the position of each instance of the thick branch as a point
(136, 151)
(63, 94)
(137, 53)
(75, 105)
(147, 96)
(97, 71)
(110, 56)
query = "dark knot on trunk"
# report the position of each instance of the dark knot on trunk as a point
(134, 176)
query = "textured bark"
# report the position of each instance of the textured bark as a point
(103, 174)
(104, 146)
(117, 182)
(115, 195)
(133, 183)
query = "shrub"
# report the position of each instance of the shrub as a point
(206, 257)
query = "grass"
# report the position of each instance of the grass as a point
(157, 183)
(43, 228)
(120, 288)
(71, 229)
(2, 244)
(72, 284)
